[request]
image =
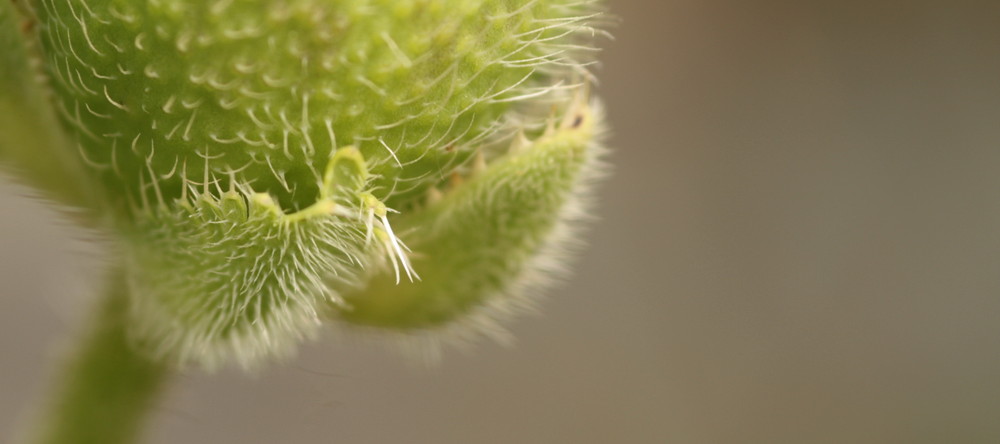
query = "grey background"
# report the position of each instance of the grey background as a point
(800, 244)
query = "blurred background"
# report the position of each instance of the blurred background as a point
(800, 244)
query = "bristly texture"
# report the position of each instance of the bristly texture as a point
(264, 91)
(525, 209)
(273, 164)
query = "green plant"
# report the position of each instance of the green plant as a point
(415, 168)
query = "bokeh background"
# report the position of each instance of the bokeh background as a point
(800, 244)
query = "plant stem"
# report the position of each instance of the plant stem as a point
(108, 387)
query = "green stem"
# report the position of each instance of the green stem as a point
(108, 387)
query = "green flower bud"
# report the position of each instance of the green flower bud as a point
(269, 166)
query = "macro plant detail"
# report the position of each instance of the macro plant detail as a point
(263, 169)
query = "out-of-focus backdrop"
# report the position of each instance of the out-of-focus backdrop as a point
(800, 244)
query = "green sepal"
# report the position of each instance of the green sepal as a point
(236, 278)
(482, 242)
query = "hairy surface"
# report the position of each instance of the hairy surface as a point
(525, 211)
(269, 165)
(170, 94)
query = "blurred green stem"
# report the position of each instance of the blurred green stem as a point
(107, 388)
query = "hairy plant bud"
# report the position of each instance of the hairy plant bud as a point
(270, 165)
